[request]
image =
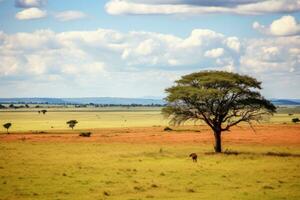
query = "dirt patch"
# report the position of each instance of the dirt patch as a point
(263, 134)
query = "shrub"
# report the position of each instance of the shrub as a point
(295, 120)
(72, 123)
(168, 129)
(7, 126)
(85, 134)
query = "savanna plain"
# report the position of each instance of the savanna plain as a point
(129, 156)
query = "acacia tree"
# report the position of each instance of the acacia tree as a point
(72, 123)
(7, 126)
(220, 99)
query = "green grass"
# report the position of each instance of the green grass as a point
(91, 118)
(32, 121)
(121, 171)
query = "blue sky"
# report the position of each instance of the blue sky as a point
(137, 48)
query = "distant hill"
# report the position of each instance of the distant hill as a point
(114, 101)
(32, 100)
(282, 102)
(93, 100)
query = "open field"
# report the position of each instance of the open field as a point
(90, 118)
(135, 159)
(148, 163)
(280, 135)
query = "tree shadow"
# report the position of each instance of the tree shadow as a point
(270, 153)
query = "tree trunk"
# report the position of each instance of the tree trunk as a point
(218, 144)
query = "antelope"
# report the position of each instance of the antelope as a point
(194, 157)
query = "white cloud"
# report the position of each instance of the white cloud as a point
(93, 60)
(271, 55)
(30, 3)
(285, 26)
(233, 43)
(118, 7)
(45, 52)
(260, 28)
(276, 62)
(88, 68)
(70, 15)
(214, 53)
(31, 13)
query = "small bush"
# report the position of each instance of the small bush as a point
(105, 193)
(268, 187)
(191, 190)
(168, 129)
(138, 188)
(280, 154)
(85, 134)
(295, 120)
(230, 152)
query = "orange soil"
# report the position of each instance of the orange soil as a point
(263, 134)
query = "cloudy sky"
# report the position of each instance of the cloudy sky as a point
(137, 48)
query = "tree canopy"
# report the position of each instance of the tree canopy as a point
(7, 126)
(72, 123)
(221, 99)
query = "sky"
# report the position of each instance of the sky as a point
(137, 48)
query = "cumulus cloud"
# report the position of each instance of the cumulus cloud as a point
(102, 51)
(214, 53)
(45, 51)
(188, 7)
(93, 60)
(30, 3)
(31, 13)
(276, 62)
(285, 26)
(233, 43)
(217, 3)
(272, 55)
(70, 15)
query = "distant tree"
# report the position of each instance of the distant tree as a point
(7, 126)
(44, 111)
(11, 106)
(295, 120)
(26, 105)
(220, 99)
(39, 111)
(72, 123)
(2, 106)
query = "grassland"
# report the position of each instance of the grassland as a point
(126, 171)
(123, 163)
(55, 119)
(91, 118)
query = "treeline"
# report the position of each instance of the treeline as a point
(47, 105)
(12, 106)
(118, 105)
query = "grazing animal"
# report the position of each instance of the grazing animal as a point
(194, 157)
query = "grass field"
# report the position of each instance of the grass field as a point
(123, 163)
(56, 118)
(124, 171)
